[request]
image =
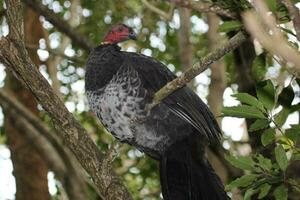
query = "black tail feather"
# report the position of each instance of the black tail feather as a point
(186, 177)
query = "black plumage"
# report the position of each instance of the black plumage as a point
(119, 85)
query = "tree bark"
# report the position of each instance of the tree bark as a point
(218, 78)
(30, 170)
(15, 57)
(216, 88)
(185, 46)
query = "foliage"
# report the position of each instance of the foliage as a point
(265, 176)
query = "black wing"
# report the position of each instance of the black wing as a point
(183, 102)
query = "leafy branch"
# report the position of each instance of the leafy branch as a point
(198, 68)
(263, 173)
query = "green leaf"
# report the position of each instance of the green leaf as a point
(266, 94)
(292, 134)
(264, 163)
(243, 181)
(281, 117)
(281, 193)
(250, 100)
(259, 124)
(268, 136)
(281, 157)
(264, 190)
(249, 193)
(242, 162)
(230, 26)
(243, 111)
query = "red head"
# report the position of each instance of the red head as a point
(119, 33)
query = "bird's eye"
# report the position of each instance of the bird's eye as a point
(120, 29)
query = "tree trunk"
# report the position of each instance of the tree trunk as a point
(184, 44)
(216, 89)
(30, 169)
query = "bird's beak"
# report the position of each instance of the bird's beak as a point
(133, 36)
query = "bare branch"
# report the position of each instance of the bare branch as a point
(60, 24)
(294, 14)
(256, 24)
(197, 68)
(204, 8)
(14, 56)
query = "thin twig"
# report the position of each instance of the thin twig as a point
(163, 14)
(204, 8)
(197, 68)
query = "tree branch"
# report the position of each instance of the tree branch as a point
(60, 24)
(14, 56)
(294, 14)
(163, 14)
(259, 24)
(204, 8)
(197, 68)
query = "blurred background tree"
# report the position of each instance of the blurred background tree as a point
(178, 33)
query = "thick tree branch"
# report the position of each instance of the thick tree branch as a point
(259, 23)
(294, 14)
(60, 24)
(197, 68)
(14, 56)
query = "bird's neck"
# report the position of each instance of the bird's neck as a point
(103, 62)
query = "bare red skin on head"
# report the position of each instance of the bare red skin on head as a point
(117, 33)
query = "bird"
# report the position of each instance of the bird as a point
(120, 85)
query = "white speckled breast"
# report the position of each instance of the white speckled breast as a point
(121, 101)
